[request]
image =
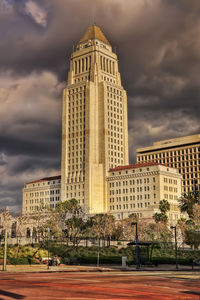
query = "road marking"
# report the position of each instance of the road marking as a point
(90, 280)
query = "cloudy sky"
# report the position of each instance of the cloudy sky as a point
(158, 47)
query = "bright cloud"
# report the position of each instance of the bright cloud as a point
(38, 14)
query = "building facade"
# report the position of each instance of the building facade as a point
(41, 194)
(95, 166)
(94, 120)
(182, 153)
(139, 188)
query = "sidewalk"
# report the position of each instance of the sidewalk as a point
(102, 268)
(62, 268)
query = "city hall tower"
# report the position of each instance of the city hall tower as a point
(94, 122)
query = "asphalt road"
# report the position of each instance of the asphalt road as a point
(100, 285)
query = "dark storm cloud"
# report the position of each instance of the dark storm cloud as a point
(158, 47)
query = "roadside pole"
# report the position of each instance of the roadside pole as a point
(5, 251)
(98, 252)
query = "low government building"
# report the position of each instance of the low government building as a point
(139, 188)
(136, 188)
(41, 194)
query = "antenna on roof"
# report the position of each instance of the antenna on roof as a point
(115, 49)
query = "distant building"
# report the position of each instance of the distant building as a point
(182, 153)
(41, 194)
(138, 189)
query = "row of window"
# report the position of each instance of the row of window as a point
(113, 109)
(170, 189)
(114, 115)
(116, 102)
(42, 184)
(131, 171)
(78, 194)
(81, 79)
(78, 97)
(114, 90)
(42, 200)
(170, 181)
(77, 146)
(36, 194)
(176, 153)
(108, 79)
(131, 197)
(185, 164)
(132, 190)
(129, 206)
(170, 196)
(75, 187)
(114, 121)
(115, 128)
(76, 179)
(78, 122)
(76, 90)
(131, 181)
(76, 167)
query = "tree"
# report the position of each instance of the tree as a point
(190, 229)
(68, 221)
(187, 202)
(160, 217)
(129, 231)
(74, 228)
(5, 221)
(196, 214)
(155, 232)
(164, 207)
(103, 226)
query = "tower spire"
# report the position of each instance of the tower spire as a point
(94, 32)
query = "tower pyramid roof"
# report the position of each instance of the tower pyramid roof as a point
(94, 32)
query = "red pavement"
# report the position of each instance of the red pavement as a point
(115, 285)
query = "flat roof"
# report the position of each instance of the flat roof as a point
(135, 166)
(172, 143)
(45, 179)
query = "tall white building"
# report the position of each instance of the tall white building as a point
(94, 132)
(95, 163)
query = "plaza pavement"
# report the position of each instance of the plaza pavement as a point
(76, 285)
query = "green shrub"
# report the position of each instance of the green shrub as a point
(22, 261)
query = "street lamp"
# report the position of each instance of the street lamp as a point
(48, 240)
(176, 249)
(137, 244)
(5, 249)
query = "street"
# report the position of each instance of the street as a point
(100, 285)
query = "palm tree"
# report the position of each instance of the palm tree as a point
(187, 201)
(164, 206)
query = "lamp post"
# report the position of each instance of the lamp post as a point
(5, 250)
(48, 238)
(137, 243)
(176, 249)
(98, 252)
